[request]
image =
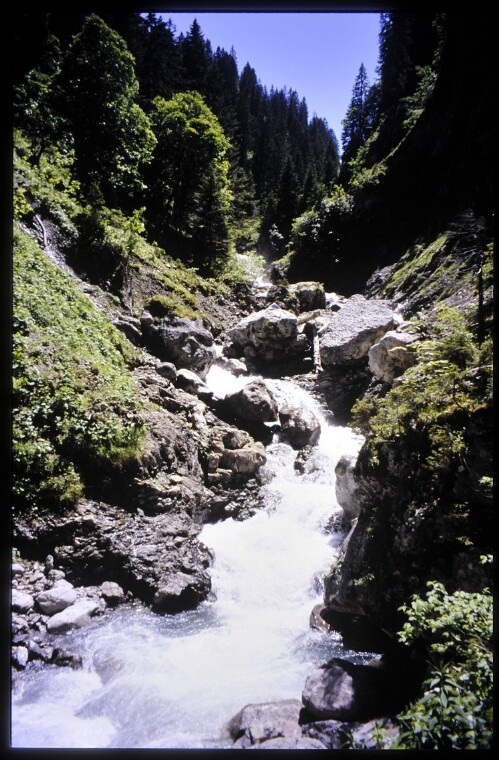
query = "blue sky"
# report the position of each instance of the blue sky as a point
(316, 54)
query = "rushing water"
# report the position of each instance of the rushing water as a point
(174, 681)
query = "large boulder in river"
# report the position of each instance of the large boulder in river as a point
(342, 690)
(269, 336)
(185, 342)
(254, 402)
(270, 725)
(392, 355)
(353, 329)
(300, 426)
(346, 487)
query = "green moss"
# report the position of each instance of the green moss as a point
(76, 411)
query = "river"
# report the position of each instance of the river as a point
(173, 681)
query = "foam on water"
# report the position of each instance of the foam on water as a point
(175, 680)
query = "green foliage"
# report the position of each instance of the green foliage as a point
(430, 398)
(45, 183)
(112, 135)
(190, 191)
(455, 711)
(75, 408)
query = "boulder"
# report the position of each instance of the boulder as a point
(180, 591)
(353, 329)
(21, 601)
(56, 599)
(254, 403)
(257, 723)
(167, 370)
(392, 355)
(191, 382)
(268, 327)
(346, 487)
(310, 295)
(245, 461)
(342, 690)
(185, 342)
(19, 657)
(75, 616)
(112, 593)
(269, 336)
(300, 426)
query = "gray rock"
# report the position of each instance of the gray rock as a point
(300, 426)
(75, 616)
(341, 690)
(168, 370)
(56, 575)
(310, 295)
(112, 593)
(17, 569)
(254, 402)
(257, 723)
(21, 601)
(245, 461)
(300, 742)
(271, 326)
(56, 599)
(19, 657)
(392, 355)
(346, 487)
(192, 383)
(185, 342)
(352, 330)
(130, 327)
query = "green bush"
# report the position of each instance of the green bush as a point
(76, 412)
(455, 710)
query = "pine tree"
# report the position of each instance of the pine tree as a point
(112, 135)
(356, 121)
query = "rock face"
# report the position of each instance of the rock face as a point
(184, 342)
(299, 426)
(341, 690)
(352, 330)
(392, 355)
(269, 336)
(417, 515)
(346, 487)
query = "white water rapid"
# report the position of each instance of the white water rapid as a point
(174, 681)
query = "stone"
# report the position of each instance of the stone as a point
(168, 370)
(254, 402)
(346, 487)
(56, 599)
(271, 326)
(341, 690)
(64, 658)
(257, 723)
(75, 616)
(180, 592)
(310, 295)
(19, 657)
(184, 342)
(21, 601)
(245, 461)
(56, 575)
(300, 426)
(392, 355)
(353, 329)
(190, 382)
(17, 569)
(112, 593)
(130, 327)
(283, 742)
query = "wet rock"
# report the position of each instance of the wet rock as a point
(254, 402)
(300, 426)
(19, 657)
(346, 487)
(56, 599)
(112, 593)
(269, 336)
(342, 690)
(75, 616)
(191, 382)
(21, 601)
(64, 658)
(352, 330)
(392, 355)
(180, 592)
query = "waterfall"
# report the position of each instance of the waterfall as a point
(174, 681)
